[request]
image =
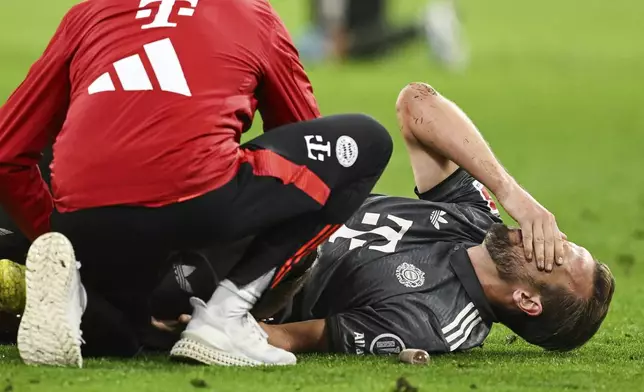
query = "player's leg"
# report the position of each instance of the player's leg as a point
(328, 168)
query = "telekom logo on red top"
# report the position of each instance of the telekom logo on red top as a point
(165, 10)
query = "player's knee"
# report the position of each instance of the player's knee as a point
(412, 99)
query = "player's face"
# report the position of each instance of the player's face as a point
(576, 273)
(504, 246)
(506, 249)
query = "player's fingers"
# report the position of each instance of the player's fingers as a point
(538, 244)
(185, 318)
(559, 244)
(163, 325)
(526, 233)
(549, 244)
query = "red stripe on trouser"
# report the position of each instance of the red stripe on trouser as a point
(316, 241)
(270, 164)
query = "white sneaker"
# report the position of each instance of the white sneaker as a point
(49, 332)
(225, 333)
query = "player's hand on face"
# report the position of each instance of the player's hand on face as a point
(542, 239)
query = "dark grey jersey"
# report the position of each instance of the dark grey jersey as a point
(397, 274)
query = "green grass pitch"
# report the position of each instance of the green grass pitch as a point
(556, 87)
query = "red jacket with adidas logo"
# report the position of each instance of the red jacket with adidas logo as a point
(146, 101)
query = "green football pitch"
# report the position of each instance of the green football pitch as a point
(556, 87)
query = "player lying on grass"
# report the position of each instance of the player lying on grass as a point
(436, 273)
(433, 273)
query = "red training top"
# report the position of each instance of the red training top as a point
(146, 101)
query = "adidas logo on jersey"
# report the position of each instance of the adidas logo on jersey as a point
(437, 218)
(133, 76)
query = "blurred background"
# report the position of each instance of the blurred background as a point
(557, 88)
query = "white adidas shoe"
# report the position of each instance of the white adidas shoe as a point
(225, 333)
(49, 332)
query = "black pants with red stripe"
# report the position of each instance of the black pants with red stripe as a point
(299, 183)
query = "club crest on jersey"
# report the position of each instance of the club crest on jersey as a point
(346, 150)
(316, 148)
(437, 218)
(162, 18)
(410, 276)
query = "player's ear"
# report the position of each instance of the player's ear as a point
(528, 302)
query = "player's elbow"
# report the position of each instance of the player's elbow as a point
(413, 105)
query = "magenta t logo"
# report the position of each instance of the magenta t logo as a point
(165, 8)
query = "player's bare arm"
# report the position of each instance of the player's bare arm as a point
(301, 337)
(440, 137)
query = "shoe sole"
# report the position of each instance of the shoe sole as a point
(45, 335)
(193, 350)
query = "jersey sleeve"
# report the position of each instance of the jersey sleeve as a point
(464, 190)
(383, 329)
(28, 121)
(285, 95)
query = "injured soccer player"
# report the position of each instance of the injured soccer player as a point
(433, 273)
(436, 273)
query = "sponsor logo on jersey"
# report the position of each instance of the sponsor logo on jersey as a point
(133, 76)
(437, 218)
(386, 343)
(164, 12)
(359, 343)
(316, 148)
(346, 150)
(410, 276)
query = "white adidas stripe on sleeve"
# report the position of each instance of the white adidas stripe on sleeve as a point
(458, 333)
(458, 318)
(468, 331)
(461, 327)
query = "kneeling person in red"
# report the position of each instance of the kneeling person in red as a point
(146, 103)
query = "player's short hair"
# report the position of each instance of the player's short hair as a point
(567, 320)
